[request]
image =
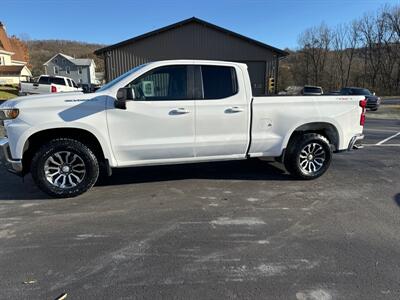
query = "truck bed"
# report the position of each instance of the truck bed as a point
(273, 117)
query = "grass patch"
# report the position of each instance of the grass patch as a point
(385, 112)
(6, 95)
(8, 92)
(390, 97)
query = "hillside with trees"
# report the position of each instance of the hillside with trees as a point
(41, 51)
(364, 52)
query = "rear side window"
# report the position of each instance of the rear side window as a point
(44, 80)
(56, 80)
(219, 82)
(313, 90)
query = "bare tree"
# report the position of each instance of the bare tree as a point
(365, 52)
(390, 18)
(352, 42)
(315, 43)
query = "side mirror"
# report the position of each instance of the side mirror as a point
(123, 95)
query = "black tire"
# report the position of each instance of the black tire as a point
(374, 109)
(308, 166)
(49, 151)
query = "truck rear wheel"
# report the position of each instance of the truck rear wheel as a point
(308, 156)
(64, 168)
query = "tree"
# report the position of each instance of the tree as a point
(314, 44)
(364, 52)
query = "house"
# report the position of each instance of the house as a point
(13, 59)
(196, 39)
(81, 70)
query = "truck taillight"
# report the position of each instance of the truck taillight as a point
(53, 89)
(363, 105)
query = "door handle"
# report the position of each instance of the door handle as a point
(234, 109)
(179, 111)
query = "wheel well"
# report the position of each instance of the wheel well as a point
(39, 138)
(325, 129)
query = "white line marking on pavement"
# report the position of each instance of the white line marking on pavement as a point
(387, 139)
(384, 145)
(380, 130)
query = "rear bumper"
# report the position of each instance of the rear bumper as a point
(13, 165)
(355, 142)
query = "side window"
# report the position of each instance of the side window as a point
(219, 82)
(57, 80)
(164, 83)
(43, 80)
(69, 82)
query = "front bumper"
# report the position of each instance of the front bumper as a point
(355, 142)
(14, 165)
(372, 106)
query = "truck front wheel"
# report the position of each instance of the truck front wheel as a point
(308, 156)
(64, 168)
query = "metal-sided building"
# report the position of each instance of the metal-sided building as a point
(195, 39)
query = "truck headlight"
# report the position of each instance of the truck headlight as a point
(9, 114)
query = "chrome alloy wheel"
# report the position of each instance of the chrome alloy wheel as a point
(64, 169)
(312, 158)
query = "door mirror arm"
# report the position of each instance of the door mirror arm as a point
(123, 95)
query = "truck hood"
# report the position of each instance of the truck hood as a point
(58, 109)
(44, 100)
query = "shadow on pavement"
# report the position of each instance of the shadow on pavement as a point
(232, 170)
(13, 187)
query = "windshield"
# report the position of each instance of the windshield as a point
(120, 78)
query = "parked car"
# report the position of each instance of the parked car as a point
(291, 91)
(169, 112)
(373, 101)
(309, 90)
(331, 93)
(48, 84)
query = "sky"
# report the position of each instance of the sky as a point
(275, 22)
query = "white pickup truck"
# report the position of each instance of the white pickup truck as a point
(170, 112)
(48, 84)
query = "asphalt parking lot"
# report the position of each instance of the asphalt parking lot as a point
(228, 230)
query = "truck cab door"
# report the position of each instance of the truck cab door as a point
(222, 112)
(158, 126)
